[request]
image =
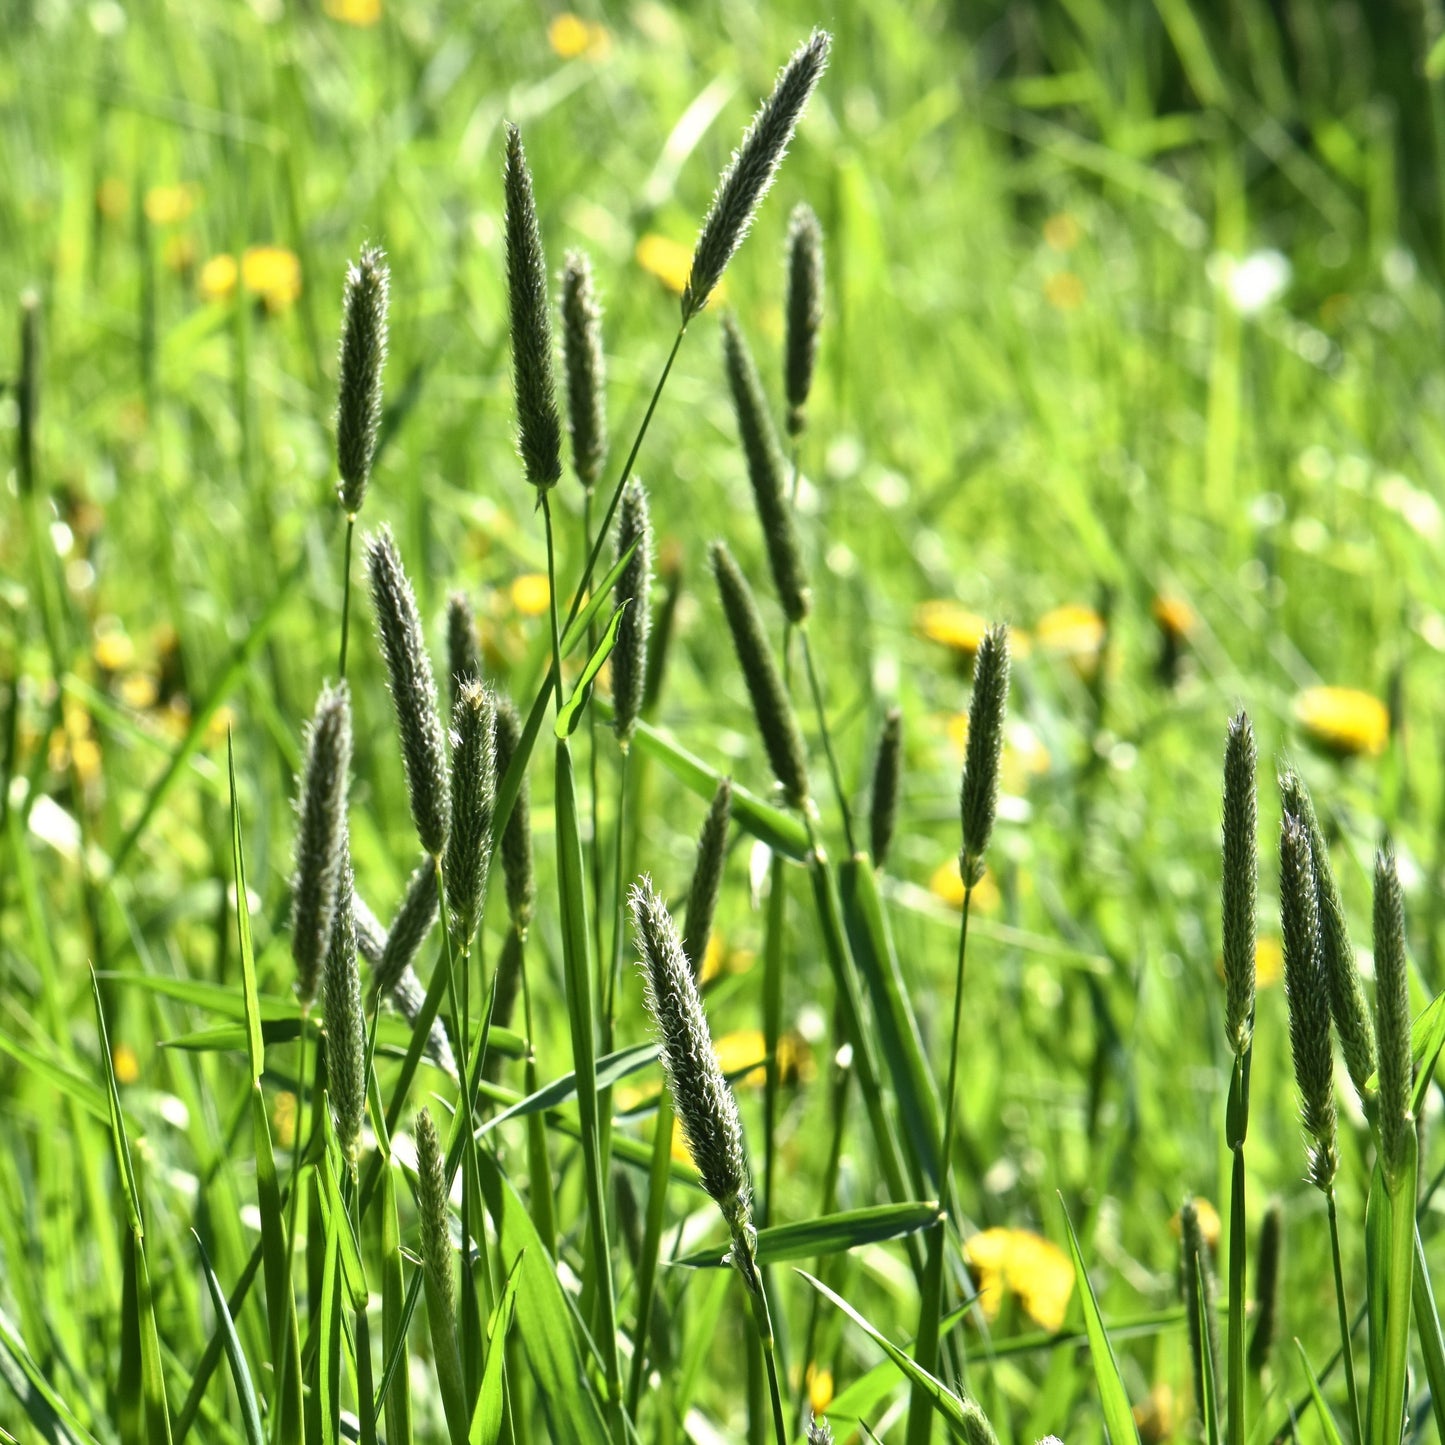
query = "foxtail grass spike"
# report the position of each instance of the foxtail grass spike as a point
(978, 792)
(751, 170)
(776, 722)
(1392, 1011)
(474, 781)
(464, 659)
(975, 1427)
(431, 1199)
(539, 431)
(316, 878)
(1266, 1286)
(345, 1023)
(805, 310)
(363, 355)
(586, 366)
(1195, 1269)
(414, 917)
(1240, 874)
(887, 780)
(1348, 1008)
(707, 875)
(1308, 996)
(517, 872)
(659, 642)
(701, 1096)
(634, 588)
(407, 993)
(767, 473)
(28, 392)
(413, 691)
(818, 1431)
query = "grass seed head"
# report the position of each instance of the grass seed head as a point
(1240, 875)
(1266, 1286)
(707, 875)
(539, 431)
(413, 691)
(701, 1096)
(978, 792)
(634, 588)
(363, 355)
(345, 1023)
(974, 1426)
(1348, 1007)
(1309, 998)
(1392, 1013)
(751, 170)
(464, 661)
(767, 473)
(517, 871)
(887, 780)
(316, 877)
(818, 1431)
(431, 1199)
(585, 363)
(414, 917)
(773, 711)
(407, 993)
(474, 784)
(804, 310)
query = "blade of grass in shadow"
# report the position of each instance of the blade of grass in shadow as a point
(491, 1399)
(1327, 1420)
(1427, 1328)
(240, 1372)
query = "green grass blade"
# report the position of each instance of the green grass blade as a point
(487, 1421)
(944, 1400)
(118, 1138)
(1113, 1397)
(255, 1048)
(570, 713)
(545, 1325)
(576, 630)
(1393, 1276)
(1206, 1364)
(1427, 1330)
(328, 1373)
(72, 1085)
(1427, 1038)
(395, 1394)
(240, 1371)
(38, 1398)
(1327, 1420)
(610, 1068)
(830, 1234)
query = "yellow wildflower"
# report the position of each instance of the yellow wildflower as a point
(1174, 617)
(125, 1064)
(570, 35)
(950, 625)
(946, 885)
(1075, 633)
(820, 1389)
(168, 205)
(361, 13)
(671, 262)
(1157, 1416)
(1208, 1217)
(1037, 1273)
(138, 690)
(531, 594)
(273, 273)
(218, 277)
(113, 649)
(1343, 721)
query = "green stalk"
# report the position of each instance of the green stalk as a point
(658, 1177)
(758, 1297)
(1346, 1350)
(826, 738)
(772, 1023)
(1236, 1127)
(345, 597)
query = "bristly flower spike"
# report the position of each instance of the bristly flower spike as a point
(539, 437)
(774, 714)
(1308, 997)
(319, 837)
(586, 366)
(464, 659)
(701, 1096)
(978, 792)
(887, 781)
(634, 593)
(1392, 1013)
(345, 1023)
(1240, 875)
(707, 875)
(363, 355)
(469, 844)
(766, 472)
(1348, 1007)
(818, 1431)
(751, 170)
(804, 310)
(1267, 1274)
(517, 872)
(413, 691)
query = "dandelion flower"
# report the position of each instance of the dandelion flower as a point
(571, 36)
(169, 205)
(1343, 721)
(670, 262)
(531, 595)
(1174, 617)
(1036, 1272)
(274, 274)
(951, 626)
(218, 277)
(361, 13)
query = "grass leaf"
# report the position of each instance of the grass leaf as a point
(829, 1234)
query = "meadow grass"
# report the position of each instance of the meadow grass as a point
(1119, 328)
